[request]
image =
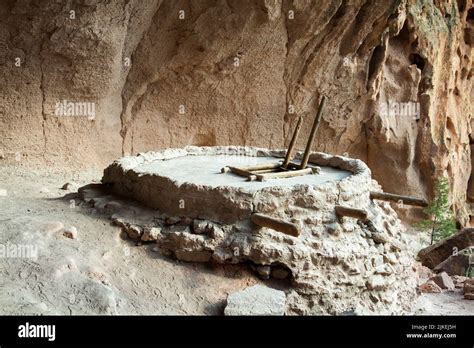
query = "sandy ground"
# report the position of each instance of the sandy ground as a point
(102, 272)
(447, 303)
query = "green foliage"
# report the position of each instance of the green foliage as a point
(441, 221)
(470, 272)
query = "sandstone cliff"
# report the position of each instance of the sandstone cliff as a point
(165, 73)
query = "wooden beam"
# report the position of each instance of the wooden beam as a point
(317, 120)
(384, 196)
(285, 174)
(262, 166)
(262, 171)
(240, 171)
(275, 224)
(289, 153)
(359, 214)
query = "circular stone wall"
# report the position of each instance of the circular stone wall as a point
(336, 264)
(188, 182)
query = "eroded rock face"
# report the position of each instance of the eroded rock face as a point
(175, 73)
(336, 264)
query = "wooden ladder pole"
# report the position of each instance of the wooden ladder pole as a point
(317, 120)
(283, 175)
(291, 147)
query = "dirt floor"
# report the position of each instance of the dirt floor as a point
(102, 272)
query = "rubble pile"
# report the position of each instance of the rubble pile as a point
(452, 260)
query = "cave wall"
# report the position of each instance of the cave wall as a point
(168, 73)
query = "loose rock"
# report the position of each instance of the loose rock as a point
(430, 287)
(438, 252)
(444, 281)
(132, 231)
(454, 265)
(256, 300)
(423, 272)
(70, 232)
(150, 234)
(459, 281)
(468, 289)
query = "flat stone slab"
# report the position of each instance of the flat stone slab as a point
(206, 170)
(256, 300)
